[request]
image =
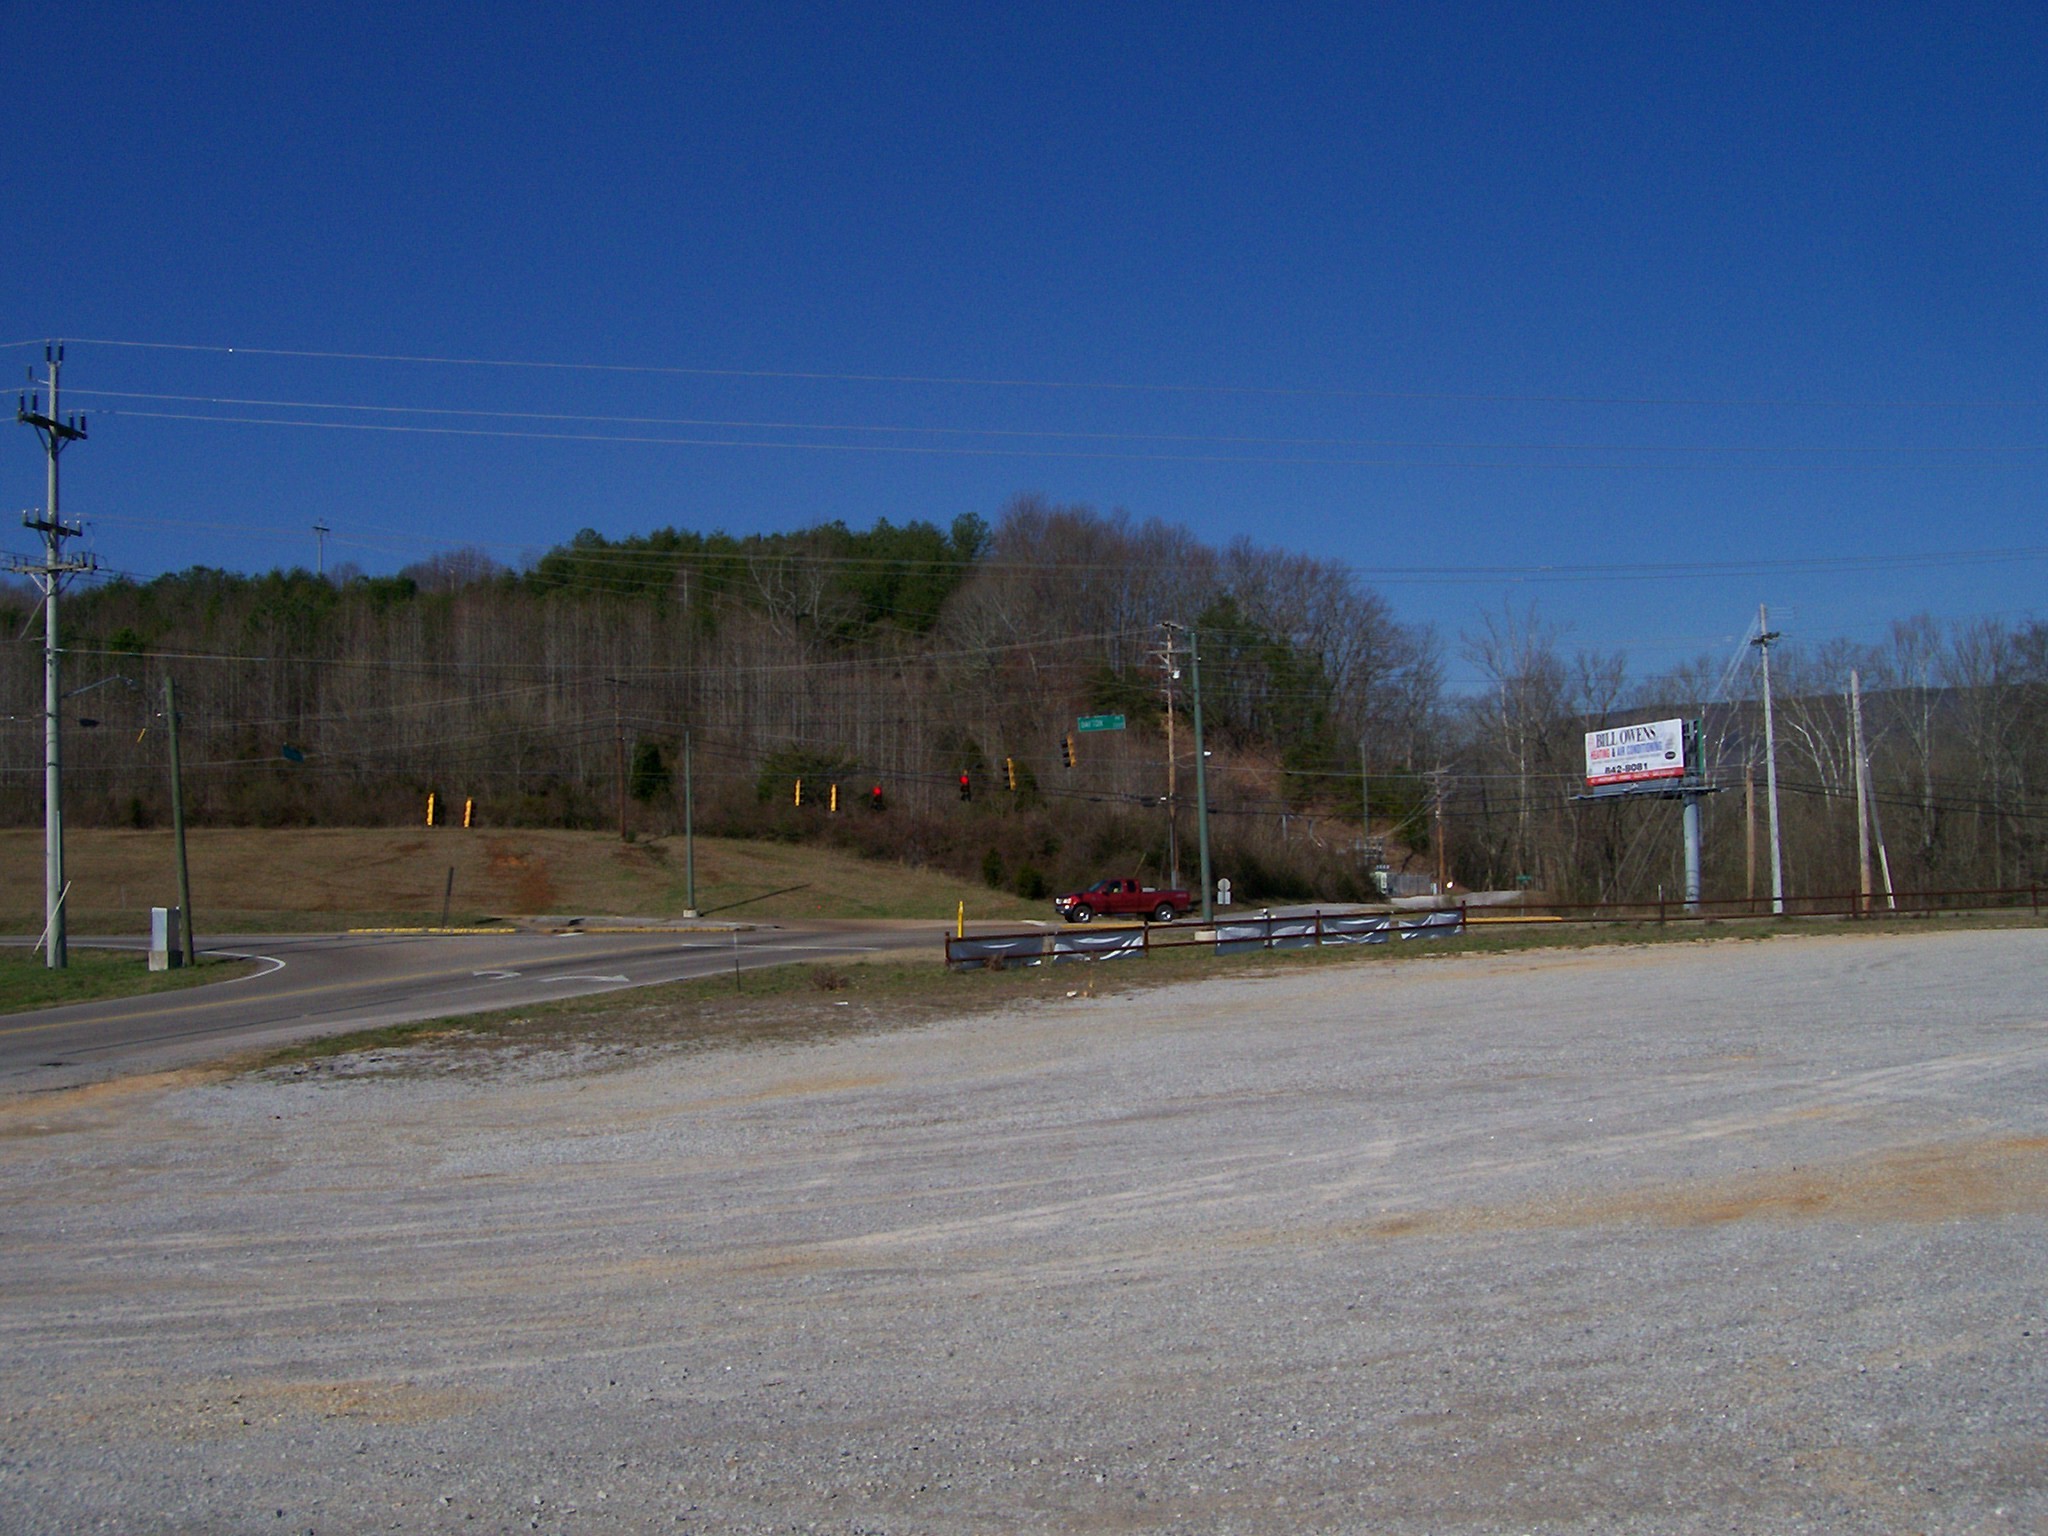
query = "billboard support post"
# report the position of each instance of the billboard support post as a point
(1692, 854)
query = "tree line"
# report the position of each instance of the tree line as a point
(901, 657)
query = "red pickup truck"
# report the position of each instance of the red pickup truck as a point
(1123, 898)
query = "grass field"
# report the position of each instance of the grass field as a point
(248, 879)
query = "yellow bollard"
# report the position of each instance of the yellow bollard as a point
(960, 923)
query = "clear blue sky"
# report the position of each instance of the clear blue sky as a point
(1445, 286)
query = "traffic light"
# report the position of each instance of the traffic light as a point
(875, 798)
(1067, 750)
(966, 787)
(1010, 767)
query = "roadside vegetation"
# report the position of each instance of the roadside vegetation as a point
(27, 982)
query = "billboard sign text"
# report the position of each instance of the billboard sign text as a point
(1635, 754)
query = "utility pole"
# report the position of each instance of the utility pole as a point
(320, 532)
(1372, 873)
(1749, 837)
(619, 756)
(1443, 860)
(178, 825)
(1364, 798)
(1764, 636)
(1201, 775)
(689, 834)
(1862, 794)
(1172, 816)
(57, 434)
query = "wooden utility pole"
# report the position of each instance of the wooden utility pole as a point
(178, 822)
(1443, 852)
(1749, 834)
(1172, 773)
(1364, 798)
(689, 832)
(619, 756)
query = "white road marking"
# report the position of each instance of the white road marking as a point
(272, 961)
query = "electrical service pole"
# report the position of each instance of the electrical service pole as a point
(1862, 794)
(1695, 772)
(178, 825)
(1364, 797)
(689, 834)
(1201, 780)
(1765, 635)
(57, 434)
(1172, 812)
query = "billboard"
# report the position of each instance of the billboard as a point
(1635, 754)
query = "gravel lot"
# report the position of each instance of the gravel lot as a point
(1712, 1237)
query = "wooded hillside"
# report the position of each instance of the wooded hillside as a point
(905, 656)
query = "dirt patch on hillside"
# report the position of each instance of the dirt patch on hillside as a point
(522, 876)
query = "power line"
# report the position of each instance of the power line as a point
(932, 451)
(1038, 433)
(1111, 386)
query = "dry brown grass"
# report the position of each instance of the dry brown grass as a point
(245, 878)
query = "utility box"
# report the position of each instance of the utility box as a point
(166, 947)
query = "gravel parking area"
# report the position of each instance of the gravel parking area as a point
(1742, 1236)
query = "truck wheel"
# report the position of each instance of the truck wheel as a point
(1163, 913)
(1082, 914)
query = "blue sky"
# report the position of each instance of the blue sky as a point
(1453, 294)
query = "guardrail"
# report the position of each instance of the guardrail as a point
(1235, 935)
(1232, 935)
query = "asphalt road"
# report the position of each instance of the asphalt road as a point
(316, 984)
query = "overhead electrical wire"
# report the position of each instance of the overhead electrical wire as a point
(999, 382)
(931, 451)
(1226, 439)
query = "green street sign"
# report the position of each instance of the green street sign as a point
(1099, 723)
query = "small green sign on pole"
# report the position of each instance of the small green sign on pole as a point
(1099, 723)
